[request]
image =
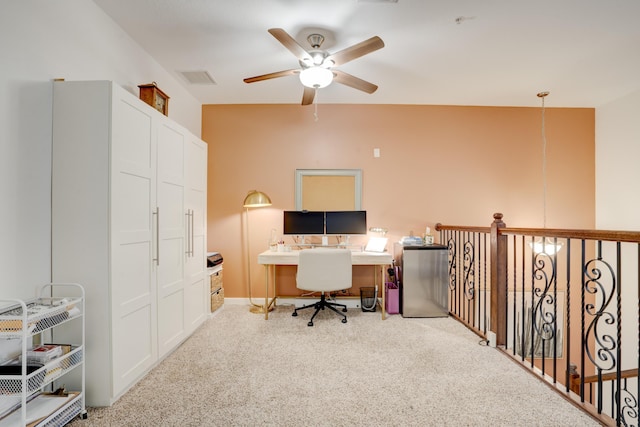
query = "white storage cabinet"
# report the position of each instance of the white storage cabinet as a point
(25, 393)
(129, 222)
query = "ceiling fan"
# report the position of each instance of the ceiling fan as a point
(316, 66)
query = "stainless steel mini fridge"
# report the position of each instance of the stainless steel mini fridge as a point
(423, 278)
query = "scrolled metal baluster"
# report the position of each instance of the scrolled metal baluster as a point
(451, 244)
(605, 343)
(544, 321)
(469, 270)
(543, 316)
(628, 407)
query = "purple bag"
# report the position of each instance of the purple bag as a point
(392, 298)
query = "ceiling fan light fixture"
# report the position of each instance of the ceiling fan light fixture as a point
(318, 58)
(316, 77)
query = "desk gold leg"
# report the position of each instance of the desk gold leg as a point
(266, 292)
(275, 292)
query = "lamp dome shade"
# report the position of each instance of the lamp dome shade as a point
(316, 77)
(256, 199)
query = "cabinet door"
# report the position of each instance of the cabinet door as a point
(171, 238)
(196, 287)
(133, 297)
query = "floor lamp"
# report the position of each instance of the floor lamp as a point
(254, 199)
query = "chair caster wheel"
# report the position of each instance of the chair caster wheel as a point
(310, 324)
(294, 314)
(344, 320)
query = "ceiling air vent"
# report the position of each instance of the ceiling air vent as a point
(198, 77)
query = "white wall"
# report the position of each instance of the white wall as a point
(42, 40)
(618, 164)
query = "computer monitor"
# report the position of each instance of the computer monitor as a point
(303, 222)
(346, 222)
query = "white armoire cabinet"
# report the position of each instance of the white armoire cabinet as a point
(129, 222)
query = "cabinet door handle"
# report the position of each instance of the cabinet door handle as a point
(192, 232)
(188, 232)
(157, 215)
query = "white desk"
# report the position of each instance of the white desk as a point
(271, 259)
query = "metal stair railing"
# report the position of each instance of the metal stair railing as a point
(563, 303)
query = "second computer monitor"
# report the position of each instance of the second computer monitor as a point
(346, 222)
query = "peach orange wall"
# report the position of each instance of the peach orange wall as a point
(448, 164)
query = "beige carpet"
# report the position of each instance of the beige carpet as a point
(240, 370)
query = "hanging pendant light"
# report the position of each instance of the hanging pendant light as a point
(544, 245)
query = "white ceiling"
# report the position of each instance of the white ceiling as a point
(438, 52)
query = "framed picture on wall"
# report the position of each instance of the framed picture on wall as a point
(328, 189)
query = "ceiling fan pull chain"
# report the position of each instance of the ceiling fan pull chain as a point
(315, 107)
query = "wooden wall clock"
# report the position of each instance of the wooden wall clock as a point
(152, 95)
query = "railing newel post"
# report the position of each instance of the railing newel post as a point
(498, 304)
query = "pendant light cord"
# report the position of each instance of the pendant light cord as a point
(544, 165)
(549, 247)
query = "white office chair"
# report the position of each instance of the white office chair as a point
(324, 270)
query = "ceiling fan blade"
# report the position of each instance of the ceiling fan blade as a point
(308, 95)
(271, 75)
(354, 82)
(356, 51)
(290, 43)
